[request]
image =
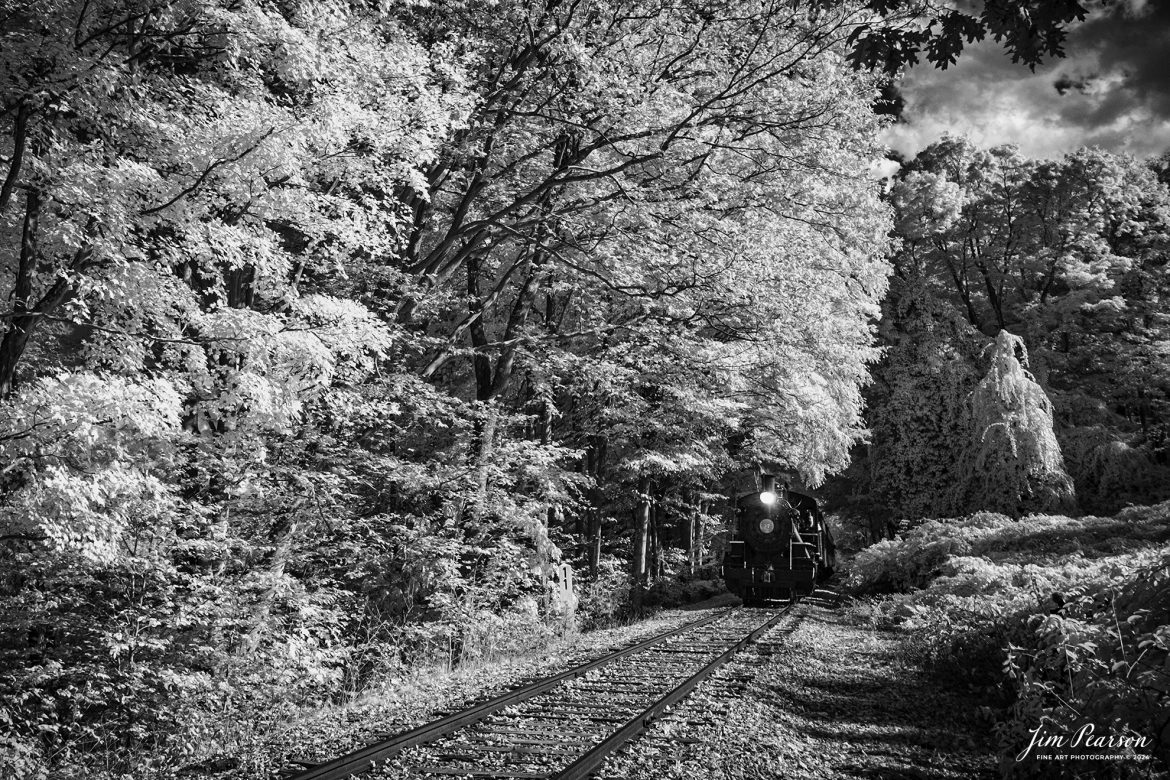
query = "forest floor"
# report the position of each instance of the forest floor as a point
(822, 696)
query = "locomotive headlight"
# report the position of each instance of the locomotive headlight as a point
(768, 497)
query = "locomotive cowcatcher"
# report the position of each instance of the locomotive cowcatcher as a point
(780, 547)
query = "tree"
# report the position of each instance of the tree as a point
(1014, 462)
(177, 204)
(919, 410)
(641, 195)
(1069, 254)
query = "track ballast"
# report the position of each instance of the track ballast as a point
(562, 727)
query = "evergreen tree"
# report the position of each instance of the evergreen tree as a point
(919, 415)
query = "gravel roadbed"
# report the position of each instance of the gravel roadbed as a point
(328, 732)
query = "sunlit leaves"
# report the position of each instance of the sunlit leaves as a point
(79, 451)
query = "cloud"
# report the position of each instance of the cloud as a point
(1112, 91)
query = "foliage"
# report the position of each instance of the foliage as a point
(920, 410)
(917, 558)
(1068, 254)
(995, 627)
(1102, 661)
(1067, 617)
(1015, 464)
(1109, 470)
(1030, 30)
(606, 599)
(674, 593)
(337, 329)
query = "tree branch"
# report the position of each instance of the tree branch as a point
(206, 173)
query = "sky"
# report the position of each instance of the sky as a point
(1112, 89)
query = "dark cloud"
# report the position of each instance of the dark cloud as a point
(1065, 82)
(1131, 41)
(1111, 90)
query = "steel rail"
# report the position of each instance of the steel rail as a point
(365, 758)
(592, 760)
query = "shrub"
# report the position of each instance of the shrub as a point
(1067, 618)
(919, 557)
(21, 760)
(1104, 660)
(673, 592)
(1014, 463)
(606, 600)
(1109, 471)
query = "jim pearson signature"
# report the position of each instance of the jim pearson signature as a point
(1084, 738)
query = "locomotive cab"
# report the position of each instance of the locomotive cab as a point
(781, 547)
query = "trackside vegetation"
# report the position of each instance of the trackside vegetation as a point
(1060, 621)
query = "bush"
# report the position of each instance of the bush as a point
(917, 558)
(1067, 619)
(606, 600)
(1103, 660)
(673, 592)
(519, 630)
(21, 760)
(1109, 471)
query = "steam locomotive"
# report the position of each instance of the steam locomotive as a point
(781, 546)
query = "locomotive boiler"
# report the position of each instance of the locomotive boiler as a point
(780, 546)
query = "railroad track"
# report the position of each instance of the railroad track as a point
(562, 727)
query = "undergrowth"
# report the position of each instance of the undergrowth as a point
(1063, 623)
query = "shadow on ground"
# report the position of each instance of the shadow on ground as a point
(856, 702)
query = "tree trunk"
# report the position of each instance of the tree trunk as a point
(695, 536)
(594, 467)
(21, 325)
(964, 291)
(485, 434)
(546, 427)
(19, 137)
(241, 288)
(655, 551)
(993, 295)
(481, 361)
(639, 563)
(11, 348)
(485, 422)
(594, 541)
